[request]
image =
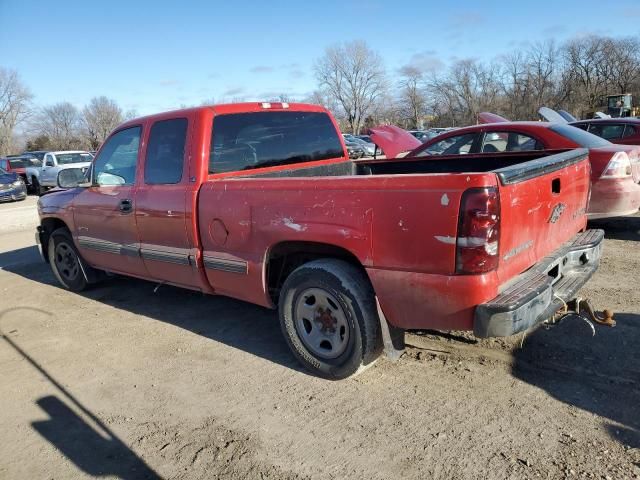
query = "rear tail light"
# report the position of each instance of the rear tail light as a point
(477, 243)
(618, 167)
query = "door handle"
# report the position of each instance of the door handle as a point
(125, 206)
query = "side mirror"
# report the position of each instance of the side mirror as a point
(73, 178)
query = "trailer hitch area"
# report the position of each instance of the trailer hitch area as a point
(580, 308)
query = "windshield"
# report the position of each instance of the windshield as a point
(24, 162)
(68, 158)
(582, 138)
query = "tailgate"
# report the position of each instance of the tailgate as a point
(542, 205)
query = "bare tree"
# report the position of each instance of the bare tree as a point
(61, 123)
(622, 63)
(469, 88)
(15, 101)
(354, 76)
(584, 60)
(412, 98)
(282, 97)
(99, 118)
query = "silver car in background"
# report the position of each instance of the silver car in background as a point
(368, 148)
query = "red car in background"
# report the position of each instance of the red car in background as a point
(623, 131)
(615, 169)
(17, 164)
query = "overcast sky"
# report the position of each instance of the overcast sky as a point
(155, 55)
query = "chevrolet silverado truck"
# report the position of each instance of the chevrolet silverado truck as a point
(260, 202)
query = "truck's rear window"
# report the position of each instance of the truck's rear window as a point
(244, 141)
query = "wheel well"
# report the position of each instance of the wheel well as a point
(47, 227)
(285, 257)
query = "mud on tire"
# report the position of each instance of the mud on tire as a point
(328, 316)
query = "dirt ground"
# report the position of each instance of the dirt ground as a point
(122, 382)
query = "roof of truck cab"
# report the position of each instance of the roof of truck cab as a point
(227, 108)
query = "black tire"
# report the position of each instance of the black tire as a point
(65, 261)
(348, 286)
(35, 186)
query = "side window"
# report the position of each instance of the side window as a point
(607, 131)
(165, 152)
(457, 145)
(581, 126)
(496, 142)
(48, 161)
(611, 132)
(629, 131)
(116, 164)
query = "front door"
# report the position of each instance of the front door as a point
(47, 171)
(164, 206)
(105, 225)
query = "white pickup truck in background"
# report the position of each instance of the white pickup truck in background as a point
(45, 177)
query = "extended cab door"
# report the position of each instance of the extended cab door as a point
(165, 202)
(104, 213)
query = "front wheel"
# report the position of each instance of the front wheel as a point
(35, 186)
(329, 318)
(65, 261)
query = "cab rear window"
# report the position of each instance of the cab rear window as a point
(245, 141)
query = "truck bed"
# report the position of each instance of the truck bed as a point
(394, 217)
(506, 166)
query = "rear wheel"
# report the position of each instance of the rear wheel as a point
(329, 318)
(65, 261)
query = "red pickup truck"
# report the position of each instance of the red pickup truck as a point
(259, 201)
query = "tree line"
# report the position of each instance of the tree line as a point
(61, 126)
(575, 76)
(354, 83)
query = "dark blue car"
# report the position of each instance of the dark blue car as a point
(12, 187)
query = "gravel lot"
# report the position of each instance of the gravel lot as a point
(120, 382)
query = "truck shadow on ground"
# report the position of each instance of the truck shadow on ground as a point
(241, 325)
(619, 228)
(598, 374)
(94, 449)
